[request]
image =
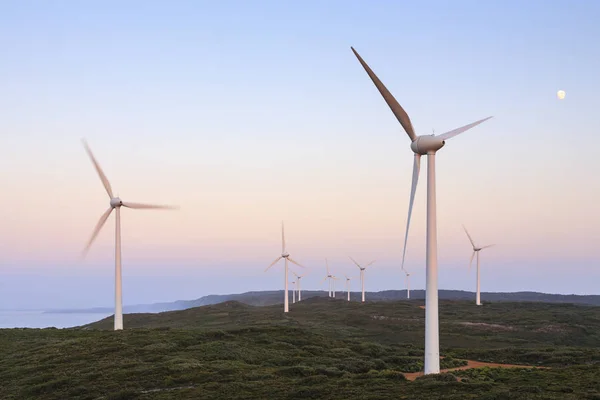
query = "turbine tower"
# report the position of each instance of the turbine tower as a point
(298, 278)
(293, 292)
(476, 250)
(423, 145)
(115, 204)
(362, 275)
(348, 285)
(407, 281)
(285, 255)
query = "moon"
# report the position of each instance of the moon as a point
(561, 94)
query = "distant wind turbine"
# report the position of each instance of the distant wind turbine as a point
(330, 278)
(407, 280)
(115, 204)
(298, 278)
(286, 257)
(476, 250)
(362, 275)
(423, 145)
(348, 278)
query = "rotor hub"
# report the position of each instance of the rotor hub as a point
(116, 202)
(285, 255)
(426, 144)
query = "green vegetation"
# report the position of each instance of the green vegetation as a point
(323, 349)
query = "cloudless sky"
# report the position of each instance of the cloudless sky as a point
(248, 113)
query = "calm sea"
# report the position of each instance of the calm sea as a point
(40, 319)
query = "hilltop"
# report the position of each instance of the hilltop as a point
(266, 298)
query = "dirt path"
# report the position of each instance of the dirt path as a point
(411, 376)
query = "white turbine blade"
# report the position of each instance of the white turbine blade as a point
(99, 226)
(371, 263)
(354, 261)
(470, 238)
(327, 265)
(471, 260)
(324, 279)
(294, 262)
(396, 108)
(297, 276)
(273, 263)
(457, 131)
(103, 177)
(413, 190)
(282, 239)
(149, 206)
(489, 245)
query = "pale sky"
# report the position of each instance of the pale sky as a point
(248, 113)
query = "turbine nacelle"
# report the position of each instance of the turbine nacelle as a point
(427, 144)
(285, 255)
(116, 202)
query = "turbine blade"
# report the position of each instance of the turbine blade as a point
(371, 263)
(99, 226)
(354, 261)
(457, 131)
(149, 206)
(282, 239)
(324, 279)
(327, 265)
(294, 262)
(470, 238)
(489, 245)
(471, 260)
(297, 276)
(413, 190)
(103, 177)
(396, 108)
(273, 263)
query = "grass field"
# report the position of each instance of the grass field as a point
(322, 349)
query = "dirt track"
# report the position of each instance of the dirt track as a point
(411, 376)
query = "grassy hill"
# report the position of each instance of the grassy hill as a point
(323, 348)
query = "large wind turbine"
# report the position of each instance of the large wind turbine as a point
(476, 250)
(298, 278)
(348, 285)
(362, 275)
(285, 255)
(294, 283)
(115, 204)
(423, 145)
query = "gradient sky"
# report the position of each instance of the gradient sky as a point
(247, 113)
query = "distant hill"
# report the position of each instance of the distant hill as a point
(266, 298)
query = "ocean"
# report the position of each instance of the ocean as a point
(41, 319)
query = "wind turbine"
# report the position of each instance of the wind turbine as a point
(348, 285)
(476, 250)
(423, 145)
(115, 204)
(285, 255)
(362, 275)
(298, 277)
(330, 277)
(407, 281)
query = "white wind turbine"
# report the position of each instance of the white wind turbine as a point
(285, 255)
(331, 292)
(476, 250)
(294, 283)
(407, 281)
(362, 275)
(423, 145)
(298, 288)
(115, 204)
(348, 278)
